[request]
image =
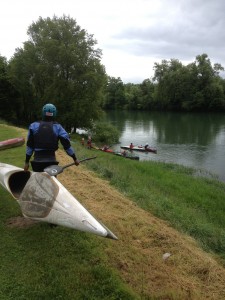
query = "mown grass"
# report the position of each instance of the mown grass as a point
(41, 262)
(193, 205)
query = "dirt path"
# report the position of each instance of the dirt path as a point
(188, 273)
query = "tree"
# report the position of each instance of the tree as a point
(59, 64)
(207, 77)
(8, 94)
(196, 86)
(133, 96)
(168, 76)
(114, 94)
(147, 90)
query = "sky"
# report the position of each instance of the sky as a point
(132, 34)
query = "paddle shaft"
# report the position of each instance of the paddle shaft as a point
(82, 160)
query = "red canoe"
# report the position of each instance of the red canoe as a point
(12, 143)
(106, 150)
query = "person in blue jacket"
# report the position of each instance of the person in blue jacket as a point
(42, 141)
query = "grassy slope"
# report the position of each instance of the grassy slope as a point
(192, 205)
(39, 262)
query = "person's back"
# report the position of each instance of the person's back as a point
(42, 141)
(105, 148)
(124, 153)
(89, 143)
(146, 146)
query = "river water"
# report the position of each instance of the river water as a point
(190, 139)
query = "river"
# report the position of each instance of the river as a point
(190, 139)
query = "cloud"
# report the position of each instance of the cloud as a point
(183, 34)
(182, 30)
(133, 34)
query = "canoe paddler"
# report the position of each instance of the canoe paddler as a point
(42, 141)
(146, 146)
(89, 142)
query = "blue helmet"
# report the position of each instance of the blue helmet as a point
(49, 110)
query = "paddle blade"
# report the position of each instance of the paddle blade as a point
(53, 170)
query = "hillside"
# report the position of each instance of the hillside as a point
(189, 273)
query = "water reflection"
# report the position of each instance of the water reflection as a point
(191, 139)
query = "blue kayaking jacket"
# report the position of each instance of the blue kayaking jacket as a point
(44, 136)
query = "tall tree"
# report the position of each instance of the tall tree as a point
(60, 64)
(147, 91)
(196, 86)
(114, 94)
(8, 94)
(169, 88)
(133, 96)
(208, 83)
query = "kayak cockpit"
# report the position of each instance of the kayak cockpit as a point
(17, 182)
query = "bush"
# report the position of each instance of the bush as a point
(104, 132)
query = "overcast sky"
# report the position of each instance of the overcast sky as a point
(133, 34)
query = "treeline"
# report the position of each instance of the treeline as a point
(60, 64)
(195, 87)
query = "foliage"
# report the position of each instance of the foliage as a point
(59, 64)
(8, 94)
(195, 87)
(114, 93)
(104, 132)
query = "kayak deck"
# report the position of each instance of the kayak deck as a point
(43, 198)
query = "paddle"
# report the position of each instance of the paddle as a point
(55, 169)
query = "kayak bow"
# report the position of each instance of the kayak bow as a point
(43, 198)
(15, 142)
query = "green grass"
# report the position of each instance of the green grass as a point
(7, 132)
(193, 205)
(45, 263)
(41, 262)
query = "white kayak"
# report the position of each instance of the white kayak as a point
(42, 197)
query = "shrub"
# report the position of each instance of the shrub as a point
(105, 133)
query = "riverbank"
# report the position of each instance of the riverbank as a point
(74, 265)
(191, 139)
(193, 205)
